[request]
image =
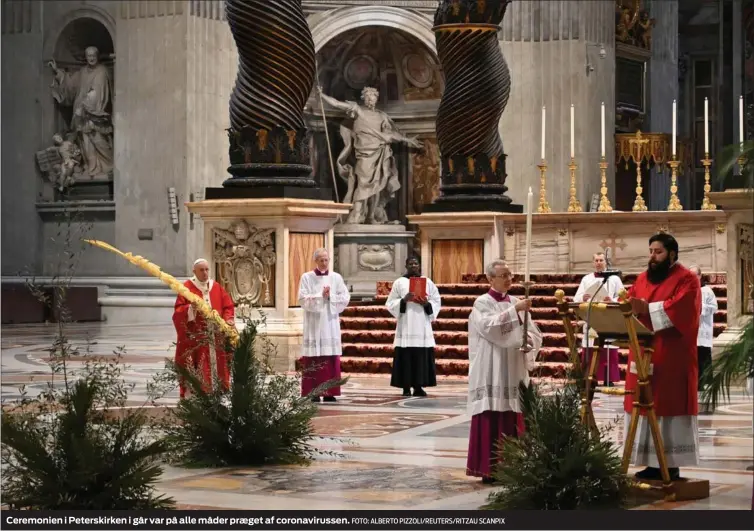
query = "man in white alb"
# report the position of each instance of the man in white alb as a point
(323, 296)
(497, 366)
(706, 324)
(414, 361)
(607, 368)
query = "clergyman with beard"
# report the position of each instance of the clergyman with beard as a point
(414, 361)
(667, 299)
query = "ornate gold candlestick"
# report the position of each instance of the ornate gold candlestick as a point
(706, 203)
(639, 142)
(675, 203)
(544, 207)
(604, 201)
(573, 202)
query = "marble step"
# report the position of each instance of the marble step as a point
(448, 367)
(462, 312)
(575, 278)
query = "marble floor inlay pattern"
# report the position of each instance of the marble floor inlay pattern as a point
(390, 452)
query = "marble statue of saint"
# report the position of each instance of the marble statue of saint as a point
(373, 179)
(88, 92)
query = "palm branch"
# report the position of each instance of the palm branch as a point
(177, 286)
(734, 364)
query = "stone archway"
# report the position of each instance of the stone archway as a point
(393, 50)
(326, 26)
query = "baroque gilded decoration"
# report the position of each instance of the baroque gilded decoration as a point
(376, 257)
(746, 252)
(245, 257)
(632, 24)
(425, 175)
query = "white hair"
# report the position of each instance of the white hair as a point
(200, 261)
(696, 269)
(318, 252)
(490, 269)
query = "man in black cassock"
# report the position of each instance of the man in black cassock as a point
(414, 361)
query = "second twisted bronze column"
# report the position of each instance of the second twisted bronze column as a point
(477, 86)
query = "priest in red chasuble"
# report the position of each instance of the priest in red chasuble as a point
(667, 299)
(197, 347)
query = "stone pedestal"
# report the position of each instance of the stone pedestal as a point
(738, 206)
(259, 248)
(367, 254)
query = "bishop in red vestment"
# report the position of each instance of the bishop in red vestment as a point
(667, 299)
(195, 348)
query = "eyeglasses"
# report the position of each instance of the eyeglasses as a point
(504, 276)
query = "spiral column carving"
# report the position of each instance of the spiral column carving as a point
(477, 87)
(269, 140)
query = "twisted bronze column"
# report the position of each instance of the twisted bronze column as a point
(477, 86)
(269, 140)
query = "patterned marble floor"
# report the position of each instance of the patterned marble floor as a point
(394, 452)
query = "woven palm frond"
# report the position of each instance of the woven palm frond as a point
(176, 285)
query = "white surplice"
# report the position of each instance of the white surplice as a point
(322, 316)
(613, 286)
(496, 364)
(414, 327)
(706, 332)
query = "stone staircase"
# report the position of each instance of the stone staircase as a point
(368, 328)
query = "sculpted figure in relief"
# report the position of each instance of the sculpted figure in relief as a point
(246, 256)
(88, 92)
(373, 178)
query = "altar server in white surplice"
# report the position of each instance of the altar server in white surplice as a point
(497, 366)
(414, 360)
(323, 296)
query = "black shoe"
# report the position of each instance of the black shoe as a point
(418, 391)
(654, 474)
(406, 391)
(315, 399)
(329, 399)
(487, 480)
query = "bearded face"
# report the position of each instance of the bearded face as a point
(660, 261)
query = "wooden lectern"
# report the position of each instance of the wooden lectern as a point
(616, 321)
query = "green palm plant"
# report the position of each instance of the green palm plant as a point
(728, 160)
(260, 419)
(80, 457)
(735, 364)
(557, 463)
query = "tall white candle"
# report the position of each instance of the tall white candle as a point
(529, 210)
(706, 125)
(741, 122)
(573, 149)
(603, 129)
(543, 132)
(674, 128)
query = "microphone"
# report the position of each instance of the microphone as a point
(609, 272)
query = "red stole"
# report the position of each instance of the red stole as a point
(675, 370)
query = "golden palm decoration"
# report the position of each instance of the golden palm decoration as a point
(177, 286)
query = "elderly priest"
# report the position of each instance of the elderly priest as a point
(498, 365)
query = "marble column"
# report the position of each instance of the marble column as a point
(663, 89)
(549, 45)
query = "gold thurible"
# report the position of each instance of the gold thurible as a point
(675, 203)
(604, 201)
(706, 203)
(573, 202)
(544, 207)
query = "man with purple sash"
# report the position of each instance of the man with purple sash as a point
(323, 296)
(497, 366)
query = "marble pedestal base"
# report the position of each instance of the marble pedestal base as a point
(367, 254)
(299, 227)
